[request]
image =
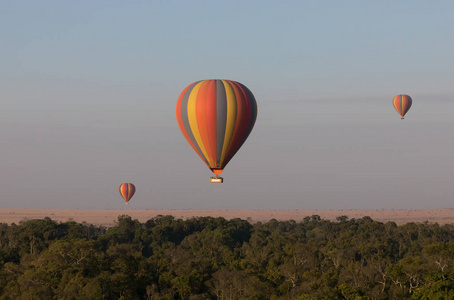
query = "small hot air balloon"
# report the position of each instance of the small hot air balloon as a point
(216, 117)
(127, 190)
(402, 104)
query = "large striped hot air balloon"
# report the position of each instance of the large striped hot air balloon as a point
(402, 104)
(127, 190)
(216, 117)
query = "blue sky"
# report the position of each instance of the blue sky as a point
(88, 91)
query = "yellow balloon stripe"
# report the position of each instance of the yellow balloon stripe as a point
(231, 118)
(192, 116)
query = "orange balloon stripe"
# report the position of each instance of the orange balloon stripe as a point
(201, 107)
(181, 124)
(403, 103)
(211, 119)
(397, 106)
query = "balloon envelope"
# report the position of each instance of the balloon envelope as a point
(216, 117)
(402, 104)
(127, 190)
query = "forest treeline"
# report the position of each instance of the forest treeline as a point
(215, 258)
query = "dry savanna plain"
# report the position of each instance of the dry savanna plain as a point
(109, 217)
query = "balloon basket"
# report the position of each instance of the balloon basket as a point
(216, 180)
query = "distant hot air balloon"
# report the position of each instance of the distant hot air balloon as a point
(402, 104)
(216, 117)
(127, 190)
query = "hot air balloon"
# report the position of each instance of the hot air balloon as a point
(127, 190)
(216, 117)
(402, 104)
